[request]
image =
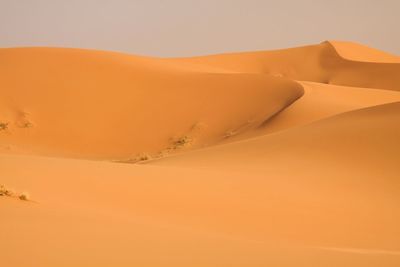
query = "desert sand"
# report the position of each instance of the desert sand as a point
(267, 158)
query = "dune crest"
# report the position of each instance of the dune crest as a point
(358, 52)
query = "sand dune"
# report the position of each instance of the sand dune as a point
(270, 158)
(220, 206)
(357, 52)
(71, 100)
(363, 134)
(317, 63)
(320, 101)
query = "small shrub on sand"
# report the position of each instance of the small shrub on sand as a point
(138, 158)
(26, 124)
(2, 190)
(24, 196)
(3, 126)
(142, 157)
(6, 192)
(182, 142)
(9, 193)
(162, 153)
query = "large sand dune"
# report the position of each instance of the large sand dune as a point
(75, 100)
(269, 158)
(323, 63)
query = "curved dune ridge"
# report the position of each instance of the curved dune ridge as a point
(357, 52)
(268, 158)
(317, 63)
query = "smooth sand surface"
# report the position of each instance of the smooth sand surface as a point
(275, 158)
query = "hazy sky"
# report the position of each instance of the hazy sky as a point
(191, 27)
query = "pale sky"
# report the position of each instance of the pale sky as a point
(197, 27)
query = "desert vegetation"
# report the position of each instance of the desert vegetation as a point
(3, 126)
(176, 144)
(181, 142)
(4, 191)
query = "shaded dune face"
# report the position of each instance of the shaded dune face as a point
(94, 104)
(345, 141)
(342, 172)
(317, 63)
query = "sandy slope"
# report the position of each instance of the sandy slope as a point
(322, 101)
(297, 198)
(73, 100)
(319, 101)
(369, 132)
(313, 185)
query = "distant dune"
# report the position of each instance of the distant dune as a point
(268, 158)
(323, 63)
(357, 52)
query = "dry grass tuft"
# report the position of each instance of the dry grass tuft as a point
(142, 157)
(3, 126)
(26, 124)
(2, 190)
(6, 192)
(9, 193)
(181, 142)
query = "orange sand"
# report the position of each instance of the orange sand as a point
(275, 158)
